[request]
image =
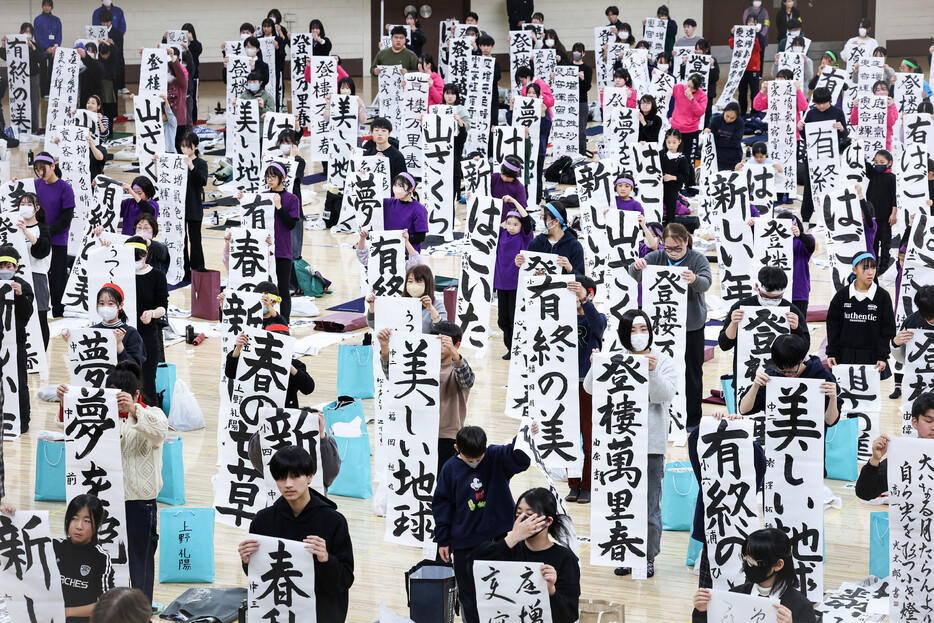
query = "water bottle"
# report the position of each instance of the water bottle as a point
(215, 219)
(30, 158)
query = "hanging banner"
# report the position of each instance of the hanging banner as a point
(438, 194)
(861, 393)
(774, 246)
(565, 123)
(20, 76)
(648, 178)
(475, 294)
(413, 395)
(823, 158)
(153, 72)
(511, 591)
(173, 184)
(728, 482)
(32, 586)
(744, 40)
(846, 236)
(520, 55)
(63, 94)
(113, 264)
(736, 257)
(527, 113)
(92, 355)
(783, 144)
(552, 370)
(619, 512)
(911, 552)
(794, 487)
(754, 336)
(281, 581)
(150, 137)
(476, 174)
(480, 94)
(93, 465)
(414, 105)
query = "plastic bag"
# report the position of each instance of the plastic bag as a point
(186, 413)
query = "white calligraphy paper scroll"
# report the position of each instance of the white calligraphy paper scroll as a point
(76, 293)
(911, 169)
(238, 69)
(9, 376)
(32, 586)
(520, 55)
(173, 183)
(647, 175)
(280, 428)
(833, 79)
(846, 236)
(386, 264)
(736, 256)
(603, 36)
(113, 264)
(918, 269)
(509, 141)
(756, 332)
(823, 158)
(63, 94)
(511, 591)
(390, 93)
(153, 72)
(281, 582)
(744, 40)
(655, 31)
(781, 116)
(343, 140)
(919, 372)
(93, 465)
(665, 300)
(794, 62)
(438, 193)
(871, 122)
(476, 175)
(619, 510)
(363, 199)
(475, 294)
(150, 138)
(774, 246)
(565, 123)
(258, 210)
(544, 63)
(480, 94)
(861, 393)
(662, 87)
(708, 171)
(246, 155)
(527, 113)
(414, 105)
(74, 161)
(249, 258)
(299, 54)
(909, 92)
(92, 355)
(20, 74)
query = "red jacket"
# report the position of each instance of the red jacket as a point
(547, 96)
(755, 61)
(436, 90)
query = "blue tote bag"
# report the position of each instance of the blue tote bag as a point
(355, 370)
(50, 471)
(353, 446)
(841, 443)
(186, 545)
(879, 544)
(173, 472)
(695, 548)
(165, 386)
(729, 392)
(679, 495)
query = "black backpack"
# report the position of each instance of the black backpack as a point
(556, 170)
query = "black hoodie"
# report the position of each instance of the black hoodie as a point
(333, 578)
(396, 159)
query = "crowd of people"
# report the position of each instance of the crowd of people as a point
(860, 319)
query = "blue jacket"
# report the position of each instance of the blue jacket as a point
(473, 506)
(119, 19)
(48, 31)
(590, 328)
(567, 246)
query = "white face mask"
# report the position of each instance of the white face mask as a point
(757, 3)
(26, 212)
(798, 49)
(624, 34)
(769, 302)
(862, 32)
(108, 2)
(6, 274)
(28, 37)
(794, 33)
(243, 36)
(249, 52)
(272, 18)
(145, 235)
(140, 264)
(640, 341)
(416, 290)
(550, 43)
(107, 314)
(345, 91)
(663, 66)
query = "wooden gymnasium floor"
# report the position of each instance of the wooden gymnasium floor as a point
(379, 566)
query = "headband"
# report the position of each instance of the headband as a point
(114, 286)
(508, 214)
(862, 256)
(408, 177)
(44, 158)
(136, 187)
(639, 320)
(136, 245)
(511, 166)
(624, 180)
(10, 259)
(278, 167)
(905, 61)
(275, 299)
(832, 56)
(278, 328)
(551, 208)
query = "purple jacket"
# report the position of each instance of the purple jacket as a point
(284, 221)
(506, 275)
(515, 189)
(801, 271)
(410, 215)
(130, 211)
(629, 206)
(55, 199)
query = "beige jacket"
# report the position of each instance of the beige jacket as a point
(141, 439)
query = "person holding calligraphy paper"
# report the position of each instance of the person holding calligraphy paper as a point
(472, 504)
(420, 284)
(535, 91)
(141, 201)
(881, 193)
(91, 76)
(910, 66)
(32, 223)
(288, 147)
(396, 54)
(770, 572)
(35, 70)
(585, 82)
(508, 182)
(110, 308)
(485, 43)
(418, 35)
(922, 319)
(690, 105)
(650, 124)
(57, 198)
(383, 144)
(860, 320)
(728, 130)
(402, 211)
(304, 515)
(873, 479)
(254, 90)
(822, 110)
(194, 208)
(48, 29)
(147, 228)
(749, 83)
(299, 379)
(784, 19)
(540, 535)
(177, 96)
(635, 334)
(515, 234)
(22, 311)
(452, 97)
(363, 256)
(268, 27)
(703, 47)
(789, 354)
(891, 111)
(286, 218)
(558, 239)
(803, 247)
(678, 252)
(623, 80)
(152, 303)
(796, 46)
(426, 65)
(677, 172)
(142, 431)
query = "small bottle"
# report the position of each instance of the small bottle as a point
(30, 158)
(215, 219)
(218, 110)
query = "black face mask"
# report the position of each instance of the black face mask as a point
(756, 575)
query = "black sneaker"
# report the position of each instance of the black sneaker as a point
(895, 395)
(507, 356)
(649, 569)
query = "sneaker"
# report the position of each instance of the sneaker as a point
(316, 224)
(895, 395)
(649, 569)
(507, 356)
(879, 501)
(584, 497)
(573, 494)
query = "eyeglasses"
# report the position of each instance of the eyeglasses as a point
(789, 371)
(674, 249)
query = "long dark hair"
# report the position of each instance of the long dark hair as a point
(40, 213)
(189, 28)
(316, 22)
(453, 87)
(544, 504)
(37, 164)
(625, 327)
(767, 546)
(559, 47)
(95, 510)
(191, 139)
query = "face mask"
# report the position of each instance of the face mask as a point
(757, 4)
(639, 341)
(862, 32)
(345, 91)
(471, 464)
(550, 43)
(881, 168)
(624, 34)
(416, 290)
(243, 36)
(108, 2)
(107, 313)
(26, 212)
(6, 274)
(756, 575)
(140, 264)
(145, 235)
(798, 49)
(795, 33)
(249, 52)
(272, 18)
(577, 56)
(765, 302)
(663, 66)
(253, 87)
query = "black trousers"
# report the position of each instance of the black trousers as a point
(149, 334)
(694, 375)
(688, 145)
(23, 381)
(283, 276)
(506, 314)
(802, 306)
(466, 593)
(194, 252)
(807, 202)
(45, 73)
(142, 539)
(58, 278)
(445, 451)
(541, 180)
(748, 87)
(882, 245)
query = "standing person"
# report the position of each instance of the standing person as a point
(304, 515)
(650, 124)
(803, 247)
(39, 243)
(23, 298)
(194, 207)
(152, 303)
(508, 182)
(728, 130)
(177, 90)
(515, 234)
(861, 40)
(690, 105)
(677, 171)
(585, 78)
(524, 77)
(922, 319)
(559, 239)
(322, 45)
(787, 13)
(519, 12)
(57, 199)
(452, 97)
(383, 143)
(534, 90)
(108, 55)
(141, 201)
(472, 505)
(703, 47)
(860, 320)
(115, 40)
(48, 32)
(84, 566)
(486, 43)
(891, 111)
(678, 252)
(91, 77)
(269, 30)
(426, 65)
(254, 89)
(762, 23)
(749, 84)
(286, 218)
(881, 194)
(419, 284)
(118, 18)
(396, 54)
(403, 211)
(418, 35)
(770, 572)
(690, 37)
(289, 147)
(822, 110)
(195, 48)
(540, 535)
(635, 334)
(671, 30)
